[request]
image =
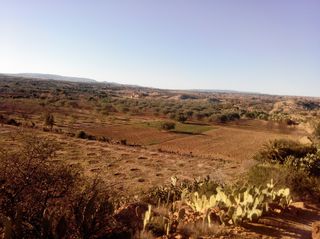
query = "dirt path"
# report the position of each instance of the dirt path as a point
(287, 225)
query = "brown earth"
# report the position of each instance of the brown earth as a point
(224, 153)
(236, 144)
(130, 169)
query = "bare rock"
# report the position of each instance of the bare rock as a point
(305, 140)
(298, 205)
(316, 230)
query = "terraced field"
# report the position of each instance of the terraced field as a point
(129, 169)
(223, 142)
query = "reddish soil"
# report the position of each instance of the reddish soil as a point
(223, 142)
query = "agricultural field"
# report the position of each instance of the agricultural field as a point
(138, 141)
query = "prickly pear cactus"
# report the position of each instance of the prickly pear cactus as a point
(249, 203)
(201, 204)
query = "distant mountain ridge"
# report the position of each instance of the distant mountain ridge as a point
(227, 91)
(54, 77)
(42, 76)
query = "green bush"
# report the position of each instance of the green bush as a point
(301, 184)
(256, 115)
(278, 150)
(181, 118)
(168, 125)
(224, 118)
(310, 163)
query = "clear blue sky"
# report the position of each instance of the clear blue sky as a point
(270, 46)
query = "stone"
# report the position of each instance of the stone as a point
(316, 230)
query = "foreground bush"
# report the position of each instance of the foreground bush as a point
(292, 164)
(309, 164)
(30, 185)
(302, 185)
(278, 150)
(40, 198)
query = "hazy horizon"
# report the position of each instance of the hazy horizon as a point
(267, 47)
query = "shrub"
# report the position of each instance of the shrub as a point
(168, 125)
(301, 184)
(103, 139)
(279, 149)
(93, 211)
(256, 115)
(181, 118)
(42, 199)
(224, 118)
(31, 185)
(49, 120)
(13, 122)
(310, 163)
(233, 116)
(82, 135)
(250, 115)
(189, 113)
(290, 122)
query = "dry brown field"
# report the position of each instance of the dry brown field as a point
(222, 153)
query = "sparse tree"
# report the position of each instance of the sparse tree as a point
(181, 118)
